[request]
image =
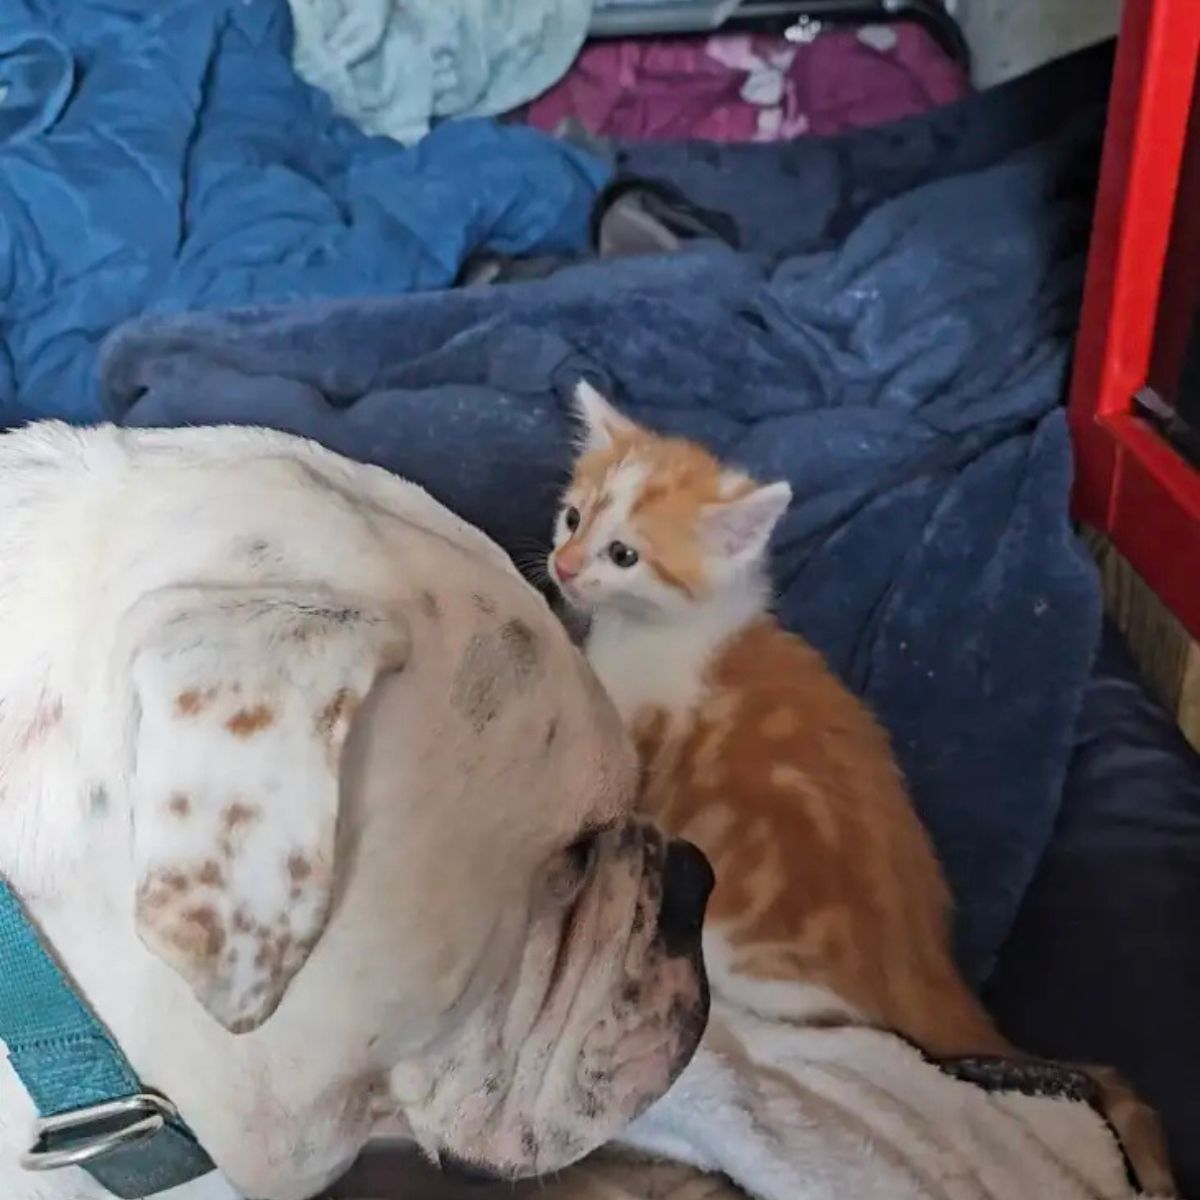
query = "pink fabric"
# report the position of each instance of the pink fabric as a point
(735, 88)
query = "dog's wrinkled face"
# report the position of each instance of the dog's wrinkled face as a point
(561, 933)
(604, 1010)
(393, 850)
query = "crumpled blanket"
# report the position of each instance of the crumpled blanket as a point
(904, 375)
(856, 1113)
(157, 157)
(396, 66)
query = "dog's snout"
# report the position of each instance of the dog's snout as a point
(687, 883)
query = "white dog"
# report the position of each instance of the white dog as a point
(323, 820)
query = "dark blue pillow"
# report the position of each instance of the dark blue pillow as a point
(1103, 964)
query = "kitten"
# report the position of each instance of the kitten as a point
(752, 749)
(830, 905)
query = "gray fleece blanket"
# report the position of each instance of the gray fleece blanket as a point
(892, 338)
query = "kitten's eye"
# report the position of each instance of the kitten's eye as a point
(624, 556)
(571, 518)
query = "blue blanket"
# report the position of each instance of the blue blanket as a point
(159, 157)
(896, 348)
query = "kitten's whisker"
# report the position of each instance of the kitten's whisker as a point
(532, 566)
(531, 557)
(538, 576)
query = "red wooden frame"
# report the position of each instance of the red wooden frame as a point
(1130, 483)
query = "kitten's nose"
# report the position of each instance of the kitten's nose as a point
(568, 562)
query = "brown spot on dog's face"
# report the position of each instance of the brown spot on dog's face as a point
(299, 868)
(203, 918)
(193, 701)
(246, 722)
(495, 666)
(236, 818)
(194, 931)
(333, 722)
(179, 805)
(263, 957)
(210, 874)
(429, 604)
(153, 899)
(176, 881)
(239, 813)
(272, 955)
(521, 643)
(485, 604)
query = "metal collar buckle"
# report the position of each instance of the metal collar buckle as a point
(92, 1132)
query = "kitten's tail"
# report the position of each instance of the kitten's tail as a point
(959, 1026)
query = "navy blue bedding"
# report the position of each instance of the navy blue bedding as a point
(892, 339)
(1103, 964)
(158, 157)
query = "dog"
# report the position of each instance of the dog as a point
(322, 817)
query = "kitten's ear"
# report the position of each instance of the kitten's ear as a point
(602, 424)
(738, 530)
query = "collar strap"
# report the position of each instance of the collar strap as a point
(95, 1112)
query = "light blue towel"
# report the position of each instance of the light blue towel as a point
(396, 66)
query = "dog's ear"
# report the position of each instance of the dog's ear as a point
(242, 702)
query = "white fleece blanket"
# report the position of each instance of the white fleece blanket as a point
(852, 1113)
(849, 1113)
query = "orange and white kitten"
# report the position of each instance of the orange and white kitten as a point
(829, 900)
(830, 906)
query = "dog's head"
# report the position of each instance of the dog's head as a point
(390, 849)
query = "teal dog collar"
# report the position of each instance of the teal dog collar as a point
(95, 1113)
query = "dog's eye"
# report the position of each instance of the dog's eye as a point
(580, 851)
(571, 518)
(624, 556)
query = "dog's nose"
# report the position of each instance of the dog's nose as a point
(687, 883)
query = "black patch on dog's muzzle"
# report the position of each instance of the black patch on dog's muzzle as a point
(687, 883)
